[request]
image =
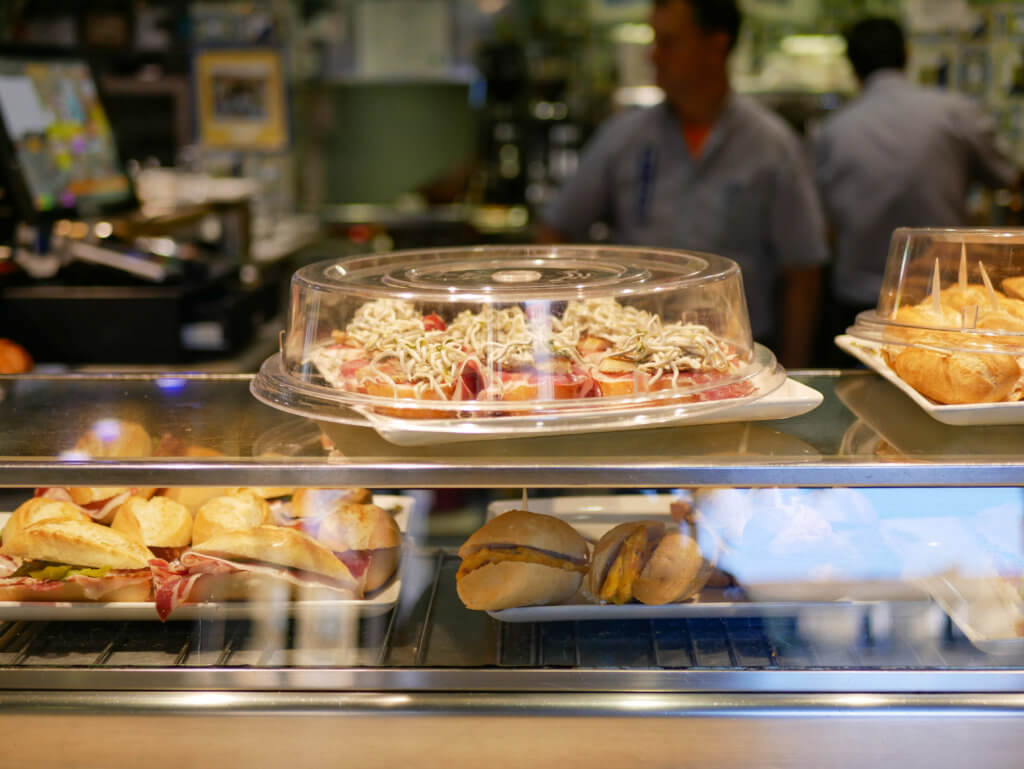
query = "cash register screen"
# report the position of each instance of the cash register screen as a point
(63, 147)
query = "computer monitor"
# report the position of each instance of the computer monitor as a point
(57, 146)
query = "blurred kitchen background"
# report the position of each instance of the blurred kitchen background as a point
(412, 123)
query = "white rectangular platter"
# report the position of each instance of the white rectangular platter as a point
(790, 399)
(869, 353)
(381, 603)
(592, 516)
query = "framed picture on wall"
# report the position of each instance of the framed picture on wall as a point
(241, 99)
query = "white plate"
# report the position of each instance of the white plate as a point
(790, 399)
(988, 610)
(592, 516)
(376, 605)
(869, 353)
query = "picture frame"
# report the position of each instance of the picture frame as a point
(241, 99)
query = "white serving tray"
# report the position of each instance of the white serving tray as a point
(869, 353)
(988, 610)
(790, 399)
(381, 603)
(594, 515)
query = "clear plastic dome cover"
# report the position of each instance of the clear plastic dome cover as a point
(478, 333)
(952, 290)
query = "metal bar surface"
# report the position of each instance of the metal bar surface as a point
(622, 473)
(677, 730)
(226, 680)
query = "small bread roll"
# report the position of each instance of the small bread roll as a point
(116, 438)
(951, 378)
(1014, 286)
(317, 503)
(521, 559)
(368, 533)
(113, 438)
(157, 522)
(649, 561)
(233, 512)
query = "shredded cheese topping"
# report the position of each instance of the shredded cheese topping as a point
(388, 348)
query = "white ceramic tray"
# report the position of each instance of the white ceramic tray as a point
(381, 603)
(869, 353)
(988, 610)
(594, 515)
(789, 400)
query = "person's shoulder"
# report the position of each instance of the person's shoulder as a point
(757, 120)
(631, 121)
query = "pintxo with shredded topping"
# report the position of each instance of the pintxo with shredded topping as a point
(597, 348)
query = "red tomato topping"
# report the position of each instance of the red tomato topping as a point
(433, 322)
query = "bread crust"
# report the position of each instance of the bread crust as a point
(359, 527)
(232, 512)
(956, 378)
(76, 542)
(194, 497)
(319, 502)
(676, 571)
(1014, 286)
(280, 546)
(520, 527)
(156, 522)
(507, 584)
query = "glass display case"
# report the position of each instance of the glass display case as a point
(864, 603)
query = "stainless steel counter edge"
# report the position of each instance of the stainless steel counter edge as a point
(420, 680)
(624, 473)
(620, 705)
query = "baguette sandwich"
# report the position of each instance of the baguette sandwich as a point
(52, 551)
(265, 562)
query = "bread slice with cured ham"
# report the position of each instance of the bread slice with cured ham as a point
(262, 563)
(52, 551)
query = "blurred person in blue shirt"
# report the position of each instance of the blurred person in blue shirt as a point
(707, 169)
(898, 155)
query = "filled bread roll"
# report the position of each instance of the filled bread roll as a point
(957, 377)
(72, 540)
(233, 512)
(366, 539)
(648, 561)
(521, 559)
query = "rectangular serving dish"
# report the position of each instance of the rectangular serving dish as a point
(592, 516)
(381, 603)
(869, 353)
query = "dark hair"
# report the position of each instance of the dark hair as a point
(874, 44)
(715, 16)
